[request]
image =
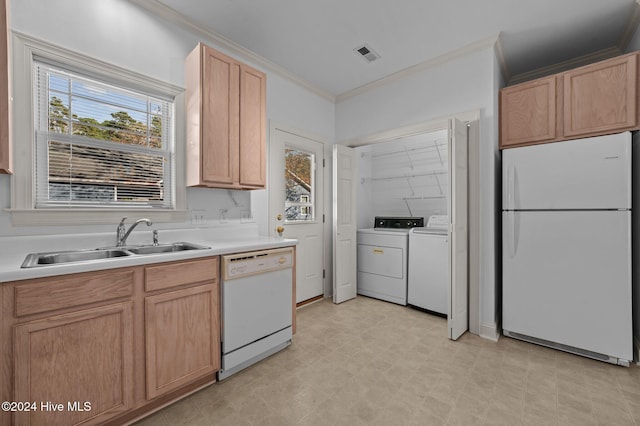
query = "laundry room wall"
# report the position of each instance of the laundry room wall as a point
(364, 204)
(403, 177)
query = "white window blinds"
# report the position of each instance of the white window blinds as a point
(100, 145)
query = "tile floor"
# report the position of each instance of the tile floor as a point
(368, 362)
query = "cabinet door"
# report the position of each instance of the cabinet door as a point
(85, 356)
(528, 112)
(601, 97)
(252, 127)
(5, 152)
(183, 337)
(219, 119)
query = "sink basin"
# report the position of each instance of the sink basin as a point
(53, 258)
(165, 248)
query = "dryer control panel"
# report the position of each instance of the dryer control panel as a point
(398, 222)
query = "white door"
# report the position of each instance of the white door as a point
(567, 278)
(344, 224)
(458, 229)
(296, 209)
(588, 173)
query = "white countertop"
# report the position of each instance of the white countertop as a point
(222, 240)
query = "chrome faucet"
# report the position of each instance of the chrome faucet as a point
(122, 234)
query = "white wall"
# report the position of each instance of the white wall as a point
(498, 83)
(401, 177)
(463, 84)
(364, 193)
(121, 33)
(634, 43)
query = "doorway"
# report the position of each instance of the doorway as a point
(414, 189)
(296, 209)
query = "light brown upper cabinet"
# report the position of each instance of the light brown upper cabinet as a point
(593, 100)
(5, 140)
(226, 121)
(528, 112)
(601, 97)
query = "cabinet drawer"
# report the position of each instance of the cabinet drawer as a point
(43, 295)
(179, 273)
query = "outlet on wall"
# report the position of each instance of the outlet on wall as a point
(222, 215)
(197, 217)
(247, 217)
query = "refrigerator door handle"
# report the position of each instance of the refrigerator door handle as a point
(512, 237)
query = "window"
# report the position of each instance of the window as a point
(97, 142)
(99, 145)
(299, 185)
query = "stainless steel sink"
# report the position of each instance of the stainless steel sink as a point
(165, 248)
(54, 258)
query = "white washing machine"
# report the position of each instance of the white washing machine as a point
(428, 284)
(382, 258)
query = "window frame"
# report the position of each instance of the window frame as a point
(304, 205)
(23, 212)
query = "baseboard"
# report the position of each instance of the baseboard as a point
(309, 301)
(489, 331)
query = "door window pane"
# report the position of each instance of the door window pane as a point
(299, 175)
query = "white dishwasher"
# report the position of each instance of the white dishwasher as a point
(257, 297)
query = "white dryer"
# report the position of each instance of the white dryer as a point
(382, 258)
(428, 284)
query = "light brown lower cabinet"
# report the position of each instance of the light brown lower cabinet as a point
(108, 347)
(76, 368)
(182, 331)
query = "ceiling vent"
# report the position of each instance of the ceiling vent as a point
(366, 52)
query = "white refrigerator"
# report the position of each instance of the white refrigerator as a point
(566, 234)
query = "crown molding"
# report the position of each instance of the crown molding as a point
(439, 60)
(566, 65)
(630, 29)
(506, 73)
(172, 16)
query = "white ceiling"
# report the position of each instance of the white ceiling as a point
(314, 40)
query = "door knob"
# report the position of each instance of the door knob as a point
(280, 230)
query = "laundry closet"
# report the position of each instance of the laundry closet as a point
(402, 220)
